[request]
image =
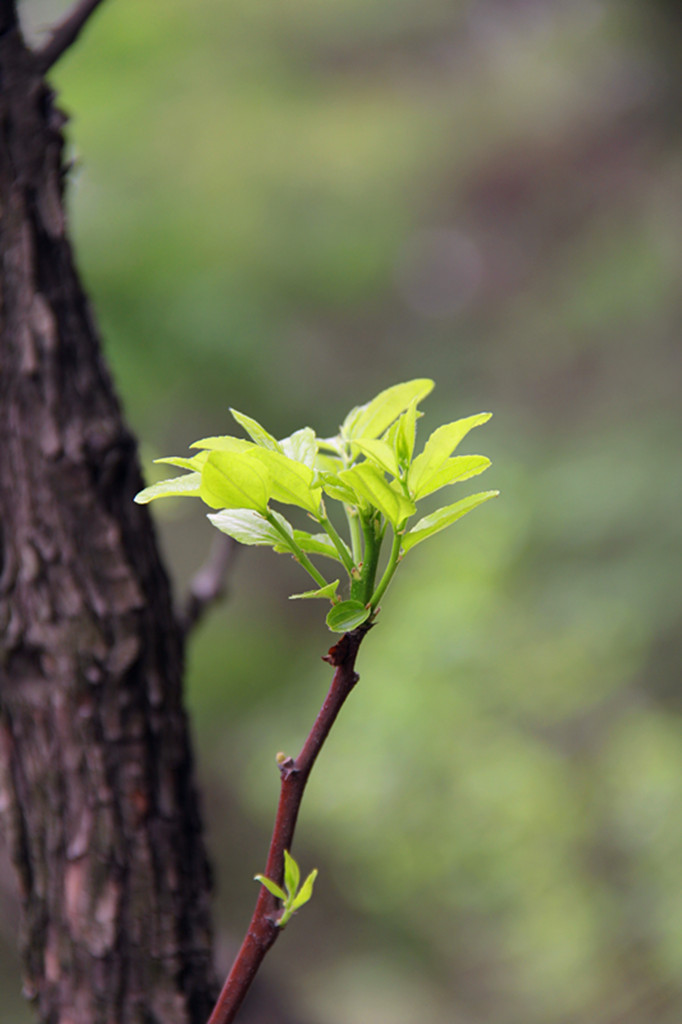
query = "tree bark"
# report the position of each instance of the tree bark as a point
(97, 792)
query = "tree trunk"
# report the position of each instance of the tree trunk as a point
(97, 791)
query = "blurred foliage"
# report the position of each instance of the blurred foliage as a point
(278, 201)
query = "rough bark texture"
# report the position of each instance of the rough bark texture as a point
(96, 781)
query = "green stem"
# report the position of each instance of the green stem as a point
(352, 513)
(393, 561)
(361, 588)
(299, 555)
(354, 527)
(344, 554)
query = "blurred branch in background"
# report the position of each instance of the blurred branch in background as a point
(209, 585)
(65, 33)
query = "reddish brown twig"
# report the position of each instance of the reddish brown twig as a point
(263, 929)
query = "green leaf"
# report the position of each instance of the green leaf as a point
(224, 443)
(442, 518)
(380, 453)
(256, 432)
(305, 892)
(347, 615)
(235, 480)
(327, 463)
(290, 482)
(193, 463)
(405, 434)
(371, 420)
(249, 527)
(331, 444)
(369, 483)
(292, 874)
(389, 436)
(328, 592)
(454, 470)
(271, 886)
(187, 485)
(333, 486)
(301, 446)
(440, 446)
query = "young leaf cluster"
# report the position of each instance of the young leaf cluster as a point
(292, 897)
(369, 468)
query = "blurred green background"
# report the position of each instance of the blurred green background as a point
(286, 207)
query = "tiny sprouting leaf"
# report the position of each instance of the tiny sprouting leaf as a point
(301, 446)
(290, 482)
(454, 470)
(187, 485)
(256, 432)
(369, 483)
(442, 518)
(305, 892)
(271, 886)
(235, 480)
(371, 420)
(440, 446)
(381, 454)
(328, 592)
(347, 615)
(292, 874)
(249, 527)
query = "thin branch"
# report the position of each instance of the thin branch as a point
(210, 583)
(263, 930)
(65, 33)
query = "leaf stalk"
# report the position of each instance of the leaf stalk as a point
(299, 555)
